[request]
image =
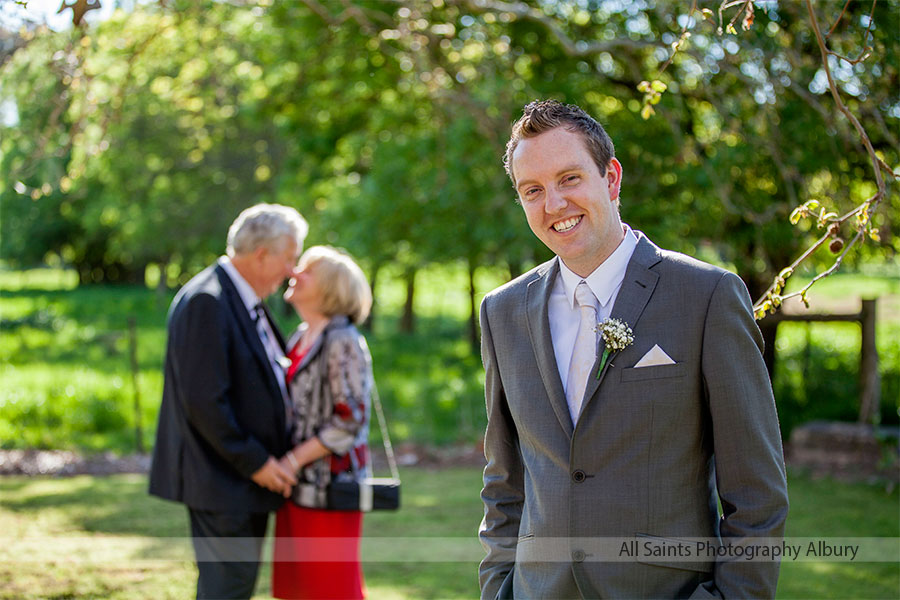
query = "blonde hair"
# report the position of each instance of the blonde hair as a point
(342, 283)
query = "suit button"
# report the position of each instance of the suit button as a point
(578, 476)
(578, 556)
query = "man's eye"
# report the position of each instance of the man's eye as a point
(531, 192)
(571, 179)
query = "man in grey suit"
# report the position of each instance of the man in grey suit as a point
(639, 438)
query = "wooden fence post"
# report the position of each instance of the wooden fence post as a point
(869, 381)
(132, 351)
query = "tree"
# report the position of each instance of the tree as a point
(384, 122)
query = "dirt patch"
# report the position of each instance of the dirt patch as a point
(63, 463)
(846, 451)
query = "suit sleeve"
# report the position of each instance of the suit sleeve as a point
(749, 462)
(503, 493)
(204, 374)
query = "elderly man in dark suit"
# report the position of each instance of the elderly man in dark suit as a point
(223, 419)
(626, 395)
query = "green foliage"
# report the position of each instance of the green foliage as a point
(816, 376)
(137, 140)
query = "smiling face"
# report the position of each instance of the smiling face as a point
(303, 291)
(569, 205)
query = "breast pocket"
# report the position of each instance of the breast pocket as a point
(655, 372)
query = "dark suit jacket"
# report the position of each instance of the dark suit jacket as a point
(652, 451)
(222, 412)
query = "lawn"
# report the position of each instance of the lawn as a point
(66, 382)
(66, 379)
(104, 537)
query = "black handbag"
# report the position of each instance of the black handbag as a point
(369, 493)
(372, 493)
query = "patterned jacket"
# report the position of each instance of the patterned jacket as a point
(331, 390)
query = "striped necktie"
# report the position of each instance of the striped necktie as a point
(273, 351)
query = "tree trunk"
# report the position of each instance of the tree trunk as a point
(769, 331)
(869, 380)
(407, 320)
(474, 334)
(515, 269)
(162, 286)
(373, 280)
(135, 377)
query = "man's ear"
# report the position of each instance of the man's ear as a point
(260, 253)
(614, 178)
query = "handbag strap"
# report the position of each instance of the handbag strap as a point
(385, 437)
(382, 422)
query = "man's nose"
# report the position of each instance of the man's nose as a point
(555, 202)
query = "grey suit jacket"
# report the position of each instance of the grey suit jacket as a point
(653, 449)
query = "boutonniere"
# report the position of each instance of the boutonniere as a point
(284, 362)
(617, 335)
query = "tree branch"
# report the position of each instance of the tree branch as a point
(771, 299)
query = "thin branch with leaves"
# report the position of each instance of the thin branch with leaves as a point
(773, 298)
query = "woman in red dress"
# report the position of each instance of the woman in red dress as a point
(330, 381)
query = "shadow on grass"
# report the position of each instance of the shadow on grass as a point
(436, 504)
(115, 505)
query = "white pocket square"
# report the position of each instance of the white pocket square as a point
(654, 357)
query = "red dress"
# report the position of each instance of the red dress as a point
(316, 553)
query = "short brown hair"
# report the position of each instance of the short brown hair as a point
(541, 116)
(342, 283)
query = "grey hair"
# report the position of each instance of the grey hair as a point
(265, 225)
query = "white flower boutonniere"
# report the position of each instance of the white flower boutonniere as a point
(617, 335)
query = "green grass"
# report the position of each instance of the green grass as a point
(114, 520)
(817, 372)
(138, 546)
(824, 507)
(818, 363)
(844, 285)
(65, 367)
(66, 382)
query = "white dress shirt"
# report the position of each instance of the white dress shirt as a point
(605, 281)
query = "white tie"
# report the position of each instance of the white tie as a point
(584, 353)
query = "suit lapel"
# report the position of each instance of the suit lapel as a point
(637, 287)
(248, 329)
(537, 297)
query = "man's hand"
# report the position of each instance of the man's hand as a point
(286, 464)
(273, 476)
